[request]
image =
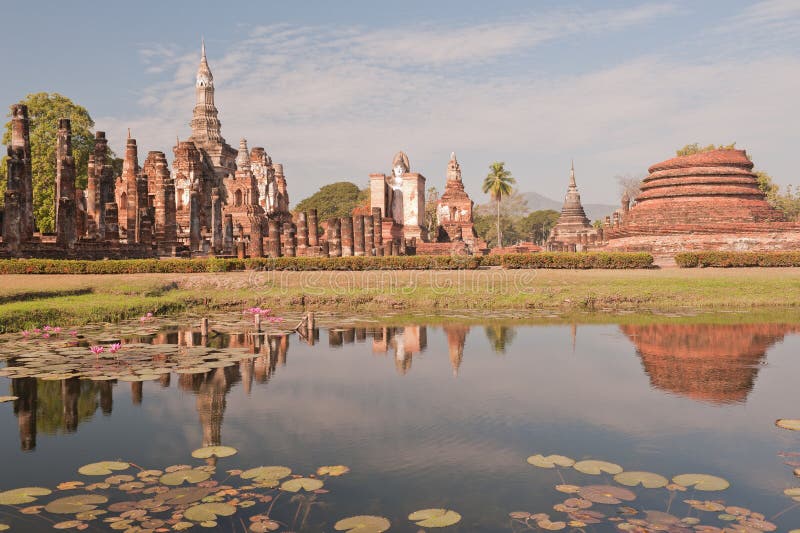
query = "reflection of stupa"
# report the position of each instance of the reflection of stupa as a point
(456, 338)
(405, 342)
(713, 363)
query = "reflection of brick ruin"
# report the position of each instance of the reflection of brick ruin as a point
(714, 363)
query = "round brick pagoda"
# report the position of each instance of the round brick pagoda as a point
(709, 188)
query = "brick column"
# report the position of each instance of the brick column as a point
(274, 239)
(288, 246)
(334, 237)
(347, 236)
(369, 236)
(194, 221)
(313, 228)
(377, 232)
(358, 235)
(302, 234)
(227, 241)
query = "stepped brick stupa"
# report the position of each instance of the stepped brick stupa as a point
(704, 201)
(454, 211)
(573, 231)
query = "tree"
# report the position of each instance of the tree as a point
(629, 184)
(695, 148)
(512, 209)
(537, 225)
(498, 183)
(431, 218)
(44, 111)
(335, 200)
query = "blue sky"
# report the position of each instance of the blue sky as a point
(333, 89)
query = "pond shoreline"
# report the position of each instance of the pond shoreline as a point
(64, 300)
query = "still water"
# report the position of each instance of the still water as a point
(438, 417)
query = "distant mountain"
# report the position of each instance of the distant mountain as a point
(537, 202)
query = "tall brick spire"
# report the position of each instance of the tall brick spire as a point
(205, 124)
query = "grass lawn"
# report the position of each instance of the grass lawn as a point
(30, 300)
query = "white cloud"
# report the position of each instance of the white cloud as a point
(337, 103)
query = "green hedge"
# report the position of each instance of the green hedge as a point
(181, 266)
(737, 259)
(580, 260)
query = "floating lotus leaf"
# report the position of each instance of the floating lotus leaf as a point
(568, 489)
(706, 505)
(792, 424)
(206, 512)
(550, 461)
(648, 480)
(75, 504)
(209, 524)
(103, 468)
(363, 524)
(23, 495)
(194, 475)
(180, 526)
(266, 473)
(302, 483)
(90, 515)
(701, 482)
(435, 517)
(264, 526)
(606, 494)
(551, 526)
(4, 399)
(662, 519)
(214, 451)
(793, 493)
(337, 470)
(519, 515)
(69, 524)
(597, 467)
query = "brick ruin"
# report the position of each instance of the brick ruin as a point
(705, 201)
(573, 231)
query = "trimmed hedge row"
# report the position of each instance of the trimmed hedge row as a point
(185, 266)
(579, 260)
(737, 259)
(413, 262)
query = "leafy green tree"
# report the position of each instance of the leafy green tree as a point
(335, 200)
(498, 183)
(695, 148)
(537, 225)
(44, 110)
(512, 208)
(431, 218)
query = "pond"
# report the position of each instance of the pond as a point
(459, 418)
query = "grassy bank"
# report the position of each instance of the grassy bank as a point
(26, 301)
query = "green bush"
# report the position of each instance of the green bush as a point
(581, 260)
(737, 259)
(185, 266)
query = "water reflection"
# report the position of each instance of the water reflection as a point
(711, 363)
(708, 363)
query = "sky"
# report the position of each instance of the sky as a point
(334, 89)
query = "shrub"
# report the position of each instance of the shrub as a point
(737, 259)
(185, 266)
(580, 260)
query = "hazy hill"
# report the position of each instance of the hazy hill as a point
(538, 202)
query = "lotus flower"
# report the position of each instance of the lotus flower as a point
(26, 333)
(149, 315)
(46, 336)
(37, 330)
(47, 328)
(114, 348)
(57, 329)
(74, 333)
(97, 350)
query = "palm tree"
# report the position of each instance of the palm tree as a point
(498, 183)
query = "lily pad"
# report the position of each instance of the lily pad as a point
(435, 517)
(207, 512)
(337, 470)
(793, 493)
(75, 504)
(363, 524)
(550, 461)
(607, 494)
(595, 468)
(214, 451)
(546, 523)
(702, 482)
(792, 424)
(4, 399)
(104, 468)
(648, 480)
(193, 475)
(266, 473)
(69, 524)
(23, 495)
(302, 483)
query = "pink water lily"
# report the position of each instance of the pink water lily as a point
(46, 336)
(73, 332)
(57, 329)
(114, 348)
(26, 333)
(97, 350)
(37, 330)
(149, 315)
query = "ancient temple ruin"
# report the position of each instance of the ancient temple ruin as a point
(573, 231)
(454, 212)
(704, 201)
